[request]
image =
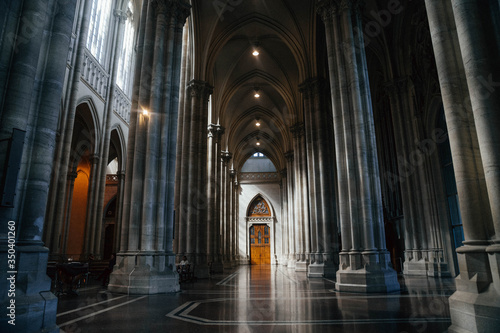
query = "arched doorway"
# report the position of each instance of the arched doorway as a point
(259, 217)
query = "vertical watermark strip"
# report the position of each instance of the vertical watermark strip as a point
(11, 272)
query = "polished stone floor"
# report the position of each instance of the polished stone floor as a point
(261, 299)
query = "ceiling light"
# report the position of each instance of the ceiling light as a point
(256, 92)
(255, 53)
(144, 112)
(258, 142)
(257, 122)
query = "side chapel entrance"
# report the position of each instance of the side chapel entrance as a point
(260, 233)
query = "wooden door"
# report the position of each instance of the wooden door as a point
(260, 244)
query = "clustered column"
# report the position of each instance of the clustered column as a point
(225, 217)
(364, 261)
(35, 37)
(301, 197)
(423, 253)
(322, 215)
(213, 197)
(465, 31)
(145, 262)
(290, 236)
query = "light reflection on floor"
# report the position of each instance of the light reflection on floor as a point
(262, 299)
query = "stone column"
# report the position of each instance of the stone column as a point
(364, 261)
(285, 246)
(235, 192)
(291, 210)
(302, 230)
(119, 210)
(465, 31)
(58, 195)
(423, 253)
(322, 212)
(225, 208)
(213, 197)
(193, 201)
(146, 264)
(31, 103)
(90, 227)
(96, 209)
(232, 220)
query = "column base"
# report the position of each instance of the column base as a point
(321, 270)
(217, 267)
(291, 263)
(301, 266)
(366, 272)
(425, 263)
(35, 306)
(202, 271)
(438, 269)
(475, 306)
(143, 274)
(415, 267)
(228, 265)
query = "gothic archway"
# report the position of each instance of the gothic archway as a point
(260, 229)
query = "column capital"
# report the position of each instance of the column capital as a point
(120, 15)
(355, 6)
(176, 8)
(313, 86)
(121, 175)
(283, 173)
(297, 129)
(226, 156)
(398, 85)
(72, 175)
(289, 156)
(327, 9)
(215, 131)
(94, 159)
(232, 173)
(200, 89)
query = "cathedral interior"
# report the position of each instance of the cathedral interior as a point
(323, 165)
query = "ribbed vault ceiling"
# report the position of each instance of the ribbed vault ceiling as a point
(225, 38)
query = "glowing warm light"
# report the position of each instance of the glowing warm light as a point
(144, 112)
(257, 95)
(255, 53)
(257, 123)
(258, 143)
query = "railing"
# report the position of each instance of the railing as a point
(95, 75)
(249, 177)
(121, 105)
(112, 178)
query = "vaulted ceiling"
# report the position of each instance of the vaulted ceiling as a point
(289, 36)
(226, 33)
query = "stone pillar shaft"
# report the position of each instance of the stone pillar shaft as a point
(146, 266)
(291, 210)
(358, 182)
(321, 208)
(31, 102)
(465, 32)
(477, 24)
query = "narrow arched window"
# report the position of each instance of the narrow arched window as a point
(98, 28)
(124, 71)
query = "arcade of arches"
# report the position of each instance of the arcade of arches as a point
(349, 140)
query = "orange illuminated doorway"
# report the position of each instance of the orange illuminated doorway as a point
(260, 234)
(260, 248)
